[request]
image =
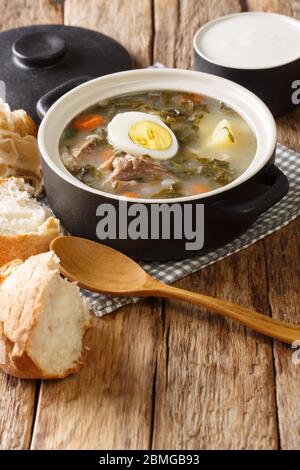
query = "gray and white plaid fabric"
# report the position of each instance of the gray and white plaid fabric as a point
(275, 218)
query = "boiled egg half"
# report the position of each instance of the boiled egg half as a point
(139, 133)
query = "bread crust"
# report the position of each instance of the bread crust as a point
(24, 124)
(18, 316)
(8, 269)
(21, 365)
(23, 245)
(13, 364)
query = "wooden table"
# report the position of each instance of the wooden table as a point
(162, 374)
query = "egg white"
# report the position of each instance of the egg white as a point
(118, 135)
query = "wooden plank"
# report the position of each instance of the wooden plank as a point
(285, 7)
(17, 397)
(15, 13)
(109, 404)
(283, 260)
(127, 21)
(176, 23)
(288, 130)
(16, 412)
(215, 383)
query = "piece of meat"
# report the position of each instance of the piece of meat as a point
(84, 151)
(128, 167)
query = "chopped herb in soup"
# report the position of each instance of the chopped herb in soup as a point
(158, 144)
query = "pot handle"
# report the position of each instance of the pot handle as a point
(46, 101)
(276, 186)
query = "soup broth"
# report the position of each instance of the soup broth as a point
(158, 144)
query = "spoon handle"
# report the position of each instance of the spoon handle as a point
(276, 329)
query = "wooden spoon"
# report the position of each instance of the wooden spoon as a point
(99, 268)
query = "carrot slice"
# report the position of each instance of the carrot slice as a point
(196, 98)
(106, 153)
(88, 122)
(130, 194)
(192, 96)
(199, 188)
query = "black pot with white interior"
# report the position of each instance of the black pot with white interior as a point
(228, 211)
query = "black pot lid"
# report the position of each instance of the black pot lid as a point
(36, 59)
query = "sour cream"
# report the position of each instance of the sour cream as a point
(250, 40)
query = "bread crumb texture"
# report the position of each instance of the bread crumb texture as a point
(26, 226)
(43, 319)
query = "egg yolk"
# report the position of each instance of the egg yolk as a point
(150, 135)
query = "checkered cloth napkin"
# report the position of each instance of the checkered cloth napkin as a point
(275, 218)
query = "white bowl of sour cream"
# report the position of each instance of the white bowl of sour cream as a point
(260, 51)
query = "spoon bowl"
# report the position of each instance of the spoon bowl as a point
(98, 267)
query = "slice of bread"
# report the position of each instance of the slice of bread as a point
(26, 226)
(43, 320)
(19, 153)
(17, 121)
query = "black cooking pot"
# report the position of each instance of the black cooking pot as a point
(201, 222)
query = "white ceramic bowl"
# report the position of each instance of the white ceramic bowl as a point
(70, 198)
(251, 108)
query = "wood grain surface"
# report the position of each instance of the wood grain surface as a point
(17, 398)
(176, 23)
(16, 13)
(109, 404)
(161, 374)
(216, 389)
(127, 21)
(17, 404)
(282, 256)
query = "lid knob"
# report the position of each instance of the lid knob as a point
(38, 49)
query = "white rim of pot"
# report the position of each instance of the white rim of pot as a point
(246, 103)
